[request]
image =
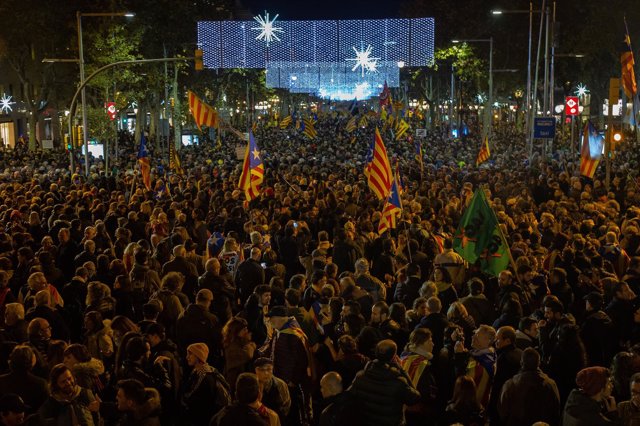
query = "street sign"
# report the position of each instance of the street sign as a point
(544, 128)
(571, 105)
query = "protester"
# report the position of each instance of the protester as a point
(308, 241)
(383, 387)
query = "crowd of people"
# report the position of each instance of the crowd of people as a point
(187, 305)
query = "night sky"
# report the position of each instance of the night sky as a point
(325, 9)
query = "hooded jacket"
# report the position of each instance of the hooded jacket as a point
(87, 374)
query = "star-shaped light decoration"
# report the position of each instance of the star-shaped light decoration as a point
(581, 90)
(364, 60)
(362, 90)
(268, 32)
(5, 104)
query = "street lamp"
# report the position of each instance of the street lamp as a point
(487, 113)
(530, 12)
(85, 130)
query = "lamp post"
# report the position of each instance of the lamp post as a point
(487, 113)
(530, 12)
(85, 130)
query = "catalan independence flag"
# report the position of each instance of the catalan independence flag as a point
(203, 114)
(308, 128)
(401, 128)
(628, 73)
(391, 211)
(484, 153)
(591, 151)
(378, 169)
(252, 170)
(144, 162)
(284, 123)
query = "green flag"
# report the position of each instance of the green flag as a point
(478, 236)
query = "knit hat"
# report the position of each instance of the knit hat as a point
(199, 350)
(592, 380)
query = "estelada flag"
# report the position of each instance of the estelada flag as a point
(203, 114)
(392, 209)
(252, 170)
(591, 150)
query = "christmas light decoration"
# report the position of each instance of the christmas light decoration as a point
(320, 54)
(581, 90)
(268, 32)
(364, 60)
(5, 104)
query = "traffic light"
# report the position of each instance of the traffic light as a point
(79, 136)
(198, 60)
(67, 142)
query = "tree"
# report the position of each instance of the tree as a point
(30, 33)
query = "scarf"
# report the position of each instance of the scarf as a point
(198, 374)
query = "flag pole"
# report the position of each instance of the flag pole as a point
(133, 183)
(506, 244)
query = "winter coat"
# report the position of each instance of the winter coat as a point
(205, 394)
(87, 374)
(344, 255)
(381, 390)
(480, 308)
(224, 297)
(507, 366)
(629, 414)
(598, 335)
(100, 343)
(60, 411)
(338, 411)
(291, 354)
(148, 414)
(31, 388)
(240, 414)
(582, 410)
(248, 276)
(236, 361)
(408, 291)
(195, 325)
(437, 323)
(529, 397)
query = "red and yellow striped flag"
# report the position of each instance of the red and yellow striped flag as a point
(203, 114)
(378, 169)
(483, 154)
